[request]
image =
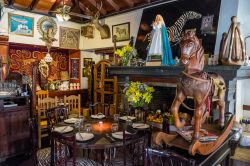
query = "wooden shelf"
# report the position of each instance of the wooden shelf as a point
(108, 85)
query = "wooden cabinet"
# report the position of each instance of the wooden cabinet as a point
(14, 127)
(105, 87)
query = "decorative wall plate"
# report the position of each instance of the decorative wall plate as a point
(44, 23)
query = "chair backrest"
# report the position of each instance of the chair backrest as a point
(165, 157)
(99, 107)
(47, 103)
(42, 107)
(63, 149)
(41, 94)
(55, 115)
(73, 102)
(134, 145)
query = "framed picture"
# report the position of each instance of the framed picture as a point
(74, 68)
(83, 72)
(21, 25)
(69, 38)
(87, 31)
(122, 31)
(87, 62)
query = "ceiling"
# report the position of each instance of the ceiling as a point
(86, 7)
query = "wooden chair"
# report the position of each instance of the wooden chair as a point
(73, 102)
(162, 157)
(43, 105)
(59, 145)
(41, 94)
(56, 115)
(132, 151)
(99, 107)
(40, 157)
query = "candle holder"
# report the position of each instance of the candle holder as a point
(100, 123)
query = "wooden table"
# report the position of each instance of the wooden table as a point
(102, 140)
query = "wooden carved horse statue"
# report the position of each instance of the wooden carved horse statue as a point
(198, 84)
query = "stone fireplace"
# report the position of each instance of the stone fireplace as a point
(164, 79)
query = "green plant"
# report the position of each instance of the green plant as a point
(138, 94)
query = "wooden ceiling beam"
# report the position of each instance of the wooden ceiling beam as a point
(85, 9)
(21, 3)
(130, 3)
(113, 4)
(93, 3)
(43, 5)
(55, 6)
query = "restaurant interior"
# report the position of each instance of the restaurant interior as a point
(124, 82)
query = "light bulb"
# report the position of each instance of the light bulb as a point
(59, 17)
(66, 17)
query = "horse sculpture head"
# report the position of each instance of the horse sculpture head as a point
(191, 52)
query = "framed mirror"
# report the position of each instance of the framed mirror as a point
(45, 23)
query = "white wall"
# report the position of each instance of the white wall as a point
(244, 19)
(133, 17)
(228, 9)
(35, 39)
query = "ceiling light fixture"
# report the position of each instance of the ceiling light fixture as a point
(62, 17)
(62, 13)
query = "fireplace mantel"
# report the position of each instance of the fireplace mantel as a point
(227, 72)
(167, 75)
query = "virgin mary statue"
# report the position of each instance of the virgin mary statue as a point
(159, 45)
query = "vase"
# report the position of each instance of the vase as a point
(126, 60)
(139, 113)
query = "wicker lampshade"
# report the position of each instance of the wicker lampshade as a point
(64, 75)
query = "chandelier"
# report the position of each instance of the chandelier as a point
(62, 13)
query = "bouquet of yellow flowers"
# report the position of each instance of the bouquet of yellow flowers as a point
(138, 94)
(126, 54)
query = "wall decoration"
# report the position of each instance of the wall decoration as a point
(83, 72)
(122, 31)
(207, 24)
(69, 38)
(22, 56)
(171, 12)
(47, 28)
(45, 23)
(87, 62)
(21, 25)
(87, 31)
(74, 68)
